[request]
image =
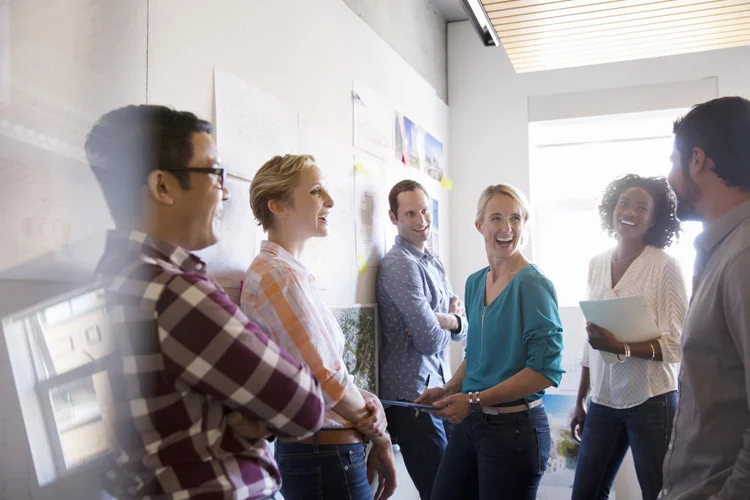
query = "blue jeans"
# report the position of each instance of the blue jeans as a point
(498, 457)
(422, 439)
(607, 434)
(318, 472)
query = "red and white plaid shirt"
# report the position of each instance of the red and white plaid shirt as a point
(186, 357)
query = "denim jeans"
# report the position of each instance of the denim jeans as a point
(318, 472)
(422, 439)
(607, 434)
(498, 457)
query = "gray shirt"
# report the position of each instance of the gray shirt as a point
(411, 288)
(709, 453)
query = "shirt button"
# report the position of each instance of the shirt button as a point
(664, 492)
(670, 446)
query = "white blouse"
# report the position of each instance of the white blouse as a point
(658, 277)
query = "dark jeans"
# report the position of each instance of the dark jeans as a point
(608, 432)
(498, 457)
(422, 439)
(319, 472)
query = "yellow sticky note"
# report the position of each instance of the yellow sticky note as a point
(446, 183)
(361, 168)
(361, 263)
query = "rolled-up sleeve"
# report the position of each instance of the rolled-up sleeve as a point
(542, 329)
(282, 303)
(672, 307)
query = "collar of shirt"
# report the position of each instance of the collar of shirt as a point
(406, 245)
(276, 250)
(119, 242)
(721, 227)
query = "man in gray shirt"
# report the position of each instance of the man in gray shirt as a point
(419, 315)
(709, 453)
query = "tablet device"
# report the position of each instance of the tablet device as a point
(407, 404)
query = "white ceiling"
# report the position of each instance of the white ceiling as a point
(450, 9)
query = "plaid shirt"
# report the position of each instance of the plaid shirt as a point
(185, 358)
(280, 295)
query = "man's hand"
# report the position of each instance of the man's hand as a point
(382, 461)
(249, 429)
(373, 426)
(457, 307)
(447, 321)
(454, 408)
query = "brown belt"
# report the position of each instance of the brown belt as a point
(324, 437)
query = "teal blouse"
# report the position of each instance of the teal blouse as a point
(520, 329)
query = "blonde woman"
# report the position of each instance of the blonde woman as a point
(501, 443)
(289, 199)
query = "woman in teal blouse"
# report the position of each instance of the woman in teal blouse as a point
(500, 447)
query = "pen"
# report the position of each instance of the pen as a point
(426, 386)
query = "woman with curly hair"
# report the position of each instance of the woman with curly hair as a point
(632, 401)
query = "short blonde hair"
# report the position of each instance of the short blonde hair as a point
(276, 180)
(507, 190)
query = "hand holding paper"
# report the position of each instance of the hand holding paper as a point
(602, 339)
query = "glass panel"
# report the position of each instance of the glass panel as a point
(78, 339)
(78, 409)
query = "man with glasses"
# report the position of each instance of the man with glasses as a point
(196, 385)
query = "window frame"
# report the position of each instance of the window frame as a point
(33, 384)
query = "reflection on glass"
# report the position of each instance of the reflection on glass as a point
(78, 418)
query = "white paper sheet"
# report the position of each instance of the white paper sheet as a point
(373, 122)
(251, 125)
(630, 319)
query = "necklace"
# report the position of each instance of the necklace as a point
(626, 258)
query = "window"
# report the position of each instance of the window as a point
(572, 161)
(57, 351)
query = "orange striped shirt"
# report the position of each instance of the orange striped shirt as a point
(279, 293)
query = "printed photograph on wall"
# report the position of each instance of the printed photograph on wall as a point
(557, 482)
(433, 157)
(415, 144)
(360, 326)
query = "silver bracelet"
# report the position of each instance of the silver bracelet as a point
(653, 351)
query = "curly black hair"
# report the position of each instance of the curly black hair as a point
(667, 226)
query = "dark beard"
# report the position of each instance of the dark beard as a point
(686, 204)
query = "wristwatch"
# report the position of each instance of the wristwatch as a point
(475, 405)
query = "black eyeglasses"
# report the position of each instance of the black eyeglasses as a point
(215, 171)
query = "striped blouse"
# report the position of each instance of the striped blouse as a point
(280, 295)
(658, 277)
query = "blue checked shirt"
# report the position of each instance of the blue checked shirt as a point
(411, 288)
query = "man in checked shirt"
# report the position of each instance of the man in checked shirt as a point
(196, 385)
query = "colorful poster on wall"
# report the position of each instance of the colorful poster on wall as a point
(372, 121)
(409, 142)
(557, 482)
(360, 326)
(433, 157)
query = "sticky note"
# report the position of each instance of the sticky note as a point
(362, 169)
(446, 183)
(361, 263)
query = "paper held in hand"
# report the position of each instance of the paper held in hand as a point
(630, 319)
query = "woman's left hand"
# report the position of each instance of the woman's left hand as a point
(454, 408)
(602, 339)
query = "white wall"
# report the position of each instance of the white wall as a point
(415, 29)
(489, 130)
